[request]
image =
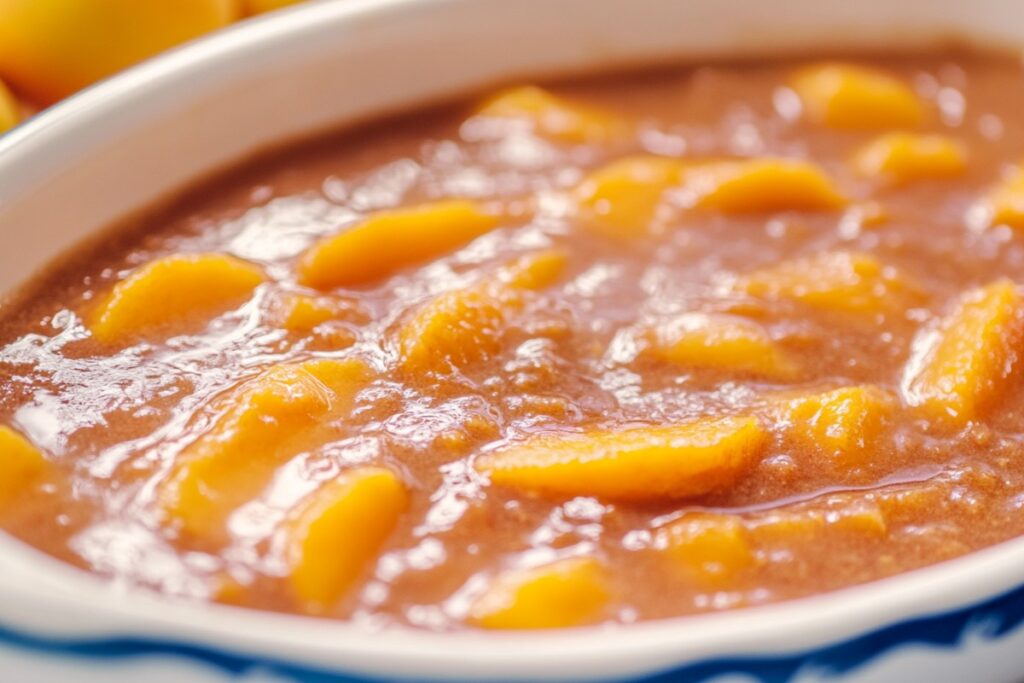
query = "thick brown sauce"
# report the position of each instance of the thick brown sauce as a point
(113, 421)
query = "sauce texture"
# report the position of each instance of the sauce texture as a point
(634, 347)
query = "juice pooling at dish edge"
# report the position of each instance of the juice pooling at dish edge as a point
(634, 347)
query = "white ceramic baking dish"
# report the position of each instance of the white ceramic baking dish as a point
(131, 140)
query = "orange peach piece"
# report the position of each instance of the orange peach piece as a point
(843, 425)
(805, 522)
(303, 313)
(10, 112)
(231, 463)
(911, 500)
(22, 465)
(861, 517)
(784, 525)
(261, 6)
(621, 199)
(51, 48)
(848, 96)
(338, 531)
(389, 241)
(959, 369)
(452, 331)
(535, 271)
(712, 548)
(459, 328)
(569, 592)
(720, 342)
(1004, 204)
(849, 282)
(638, 464)
(899, 158)
(553, 117)
(172, 294)
(760, 185)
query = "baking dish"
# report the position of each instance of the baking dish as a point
(127, 142)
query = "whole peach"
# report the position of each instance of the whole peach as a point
(51, 48)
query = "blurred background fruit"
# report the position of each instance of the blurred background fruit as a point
(51, 48)
(261, 6)
(9, 109)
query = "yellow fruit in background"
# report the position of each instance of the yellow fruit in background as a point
(260, 6)
(9, 114)
(51, 48)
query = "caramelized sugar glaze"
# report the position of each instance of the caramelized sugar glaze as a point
(629, 348)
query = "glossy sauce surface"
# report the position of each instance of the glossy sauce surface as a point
(847, 435)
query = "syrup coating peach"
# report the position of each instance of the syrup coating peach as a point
(1004, 204)
(713, 549)
(172, 294)
(21, 466)
(459, 328)
(843, 425)
(849, 96)
(621, 199)
(638, 464)
(721, 342)
(850, 282)
(758, 185)
(236, 458)
(569, 592)
(9, 109)
(337, 533)
(388, 241)
(553, 117)
(898, 158)
(960, 368)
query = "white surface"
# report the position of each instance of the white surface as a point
(131, 140)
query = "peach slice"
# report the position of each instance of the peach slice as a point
(453, 331)
(553, 117)
(172, 294)
(848, 96)
(10, 112)
(638, 464)
(712, 548)
(844, 425)
(760, 185)
(535, 271)
(335, 534)
(960, 368)
(621, 199)
(899, 158)
(1004, 204)
(720, 342)
(389, 241)
(233, 461)
(460, 328)
(849, 282)
(22, 465)
(569, 592)
(848, 514)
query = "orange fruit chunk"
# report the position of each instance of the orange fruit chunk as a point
(569, 592)
(339, 530)
(637, 464)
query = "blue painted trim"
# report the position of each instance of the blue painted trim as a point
(1000, 616)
